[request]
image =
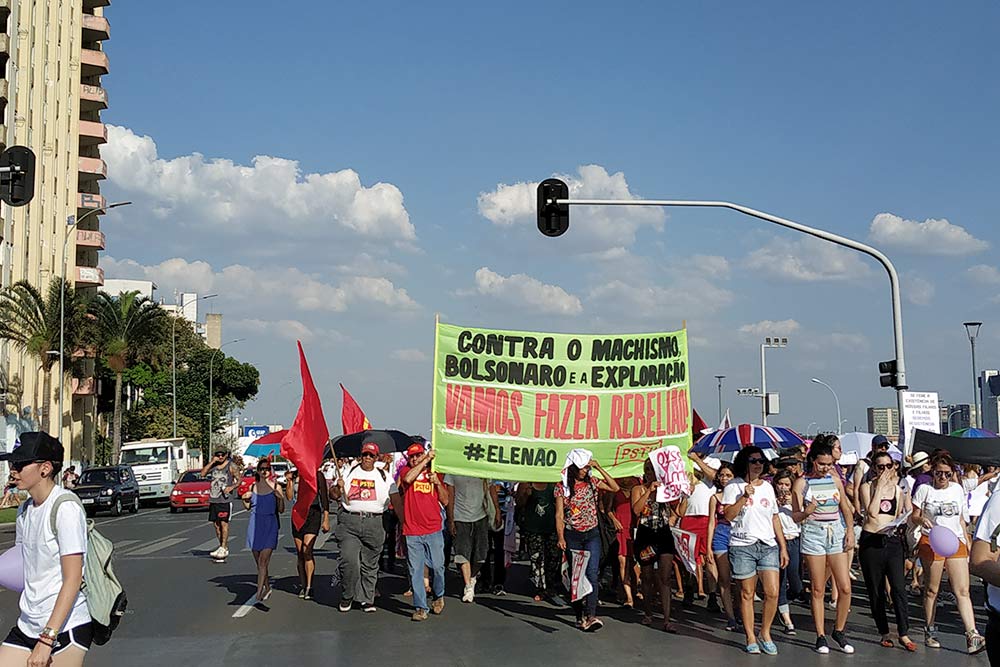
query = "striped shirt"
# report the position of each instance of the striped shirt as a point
(824, 491)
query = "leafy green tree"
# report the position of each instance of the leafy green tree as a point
(31, 322)
(128, 327)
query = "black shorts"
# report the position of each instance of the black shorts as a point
(218, 512)
(311, 526)
(82, 636)
(650, 544)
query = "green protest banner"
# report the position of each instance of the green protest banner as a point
(511, 404)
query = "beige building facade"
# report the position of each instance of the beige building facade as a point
(52, 98)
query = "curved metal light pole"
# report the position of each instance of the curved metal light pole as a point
(972, 329)
(71, 223)
(837, 400)
(547, 204)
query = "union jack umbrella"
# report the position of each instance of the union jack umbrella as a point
(734, 439)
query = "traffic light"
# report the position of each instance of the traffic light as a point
(17, 175)
(553, 219)
(887, 371)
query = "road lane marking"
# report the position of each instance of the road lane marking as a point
(156, 546)
(211, 545)
(321, 540)
(246, 608)
(183, 531)
(121, 545)
(130, 516)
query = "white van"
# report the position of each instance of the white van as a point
(158, 463)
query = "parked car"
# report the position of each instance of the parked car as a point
(245, 482)
(190, 492)
(108, 488)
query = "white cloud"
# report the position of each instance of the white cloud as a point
(984, 274)
(523, 291)
(271, 197)
(687, 297)
(287, 329)
(409, 354)
(771, 328)
(930, 237)
(712, 265)
(807, 260)
(264, 285)
(592, 228)
(916, 290)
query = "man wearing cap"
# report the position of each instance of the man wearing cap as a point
(364, 492)
(423, 496)
(880, 444)
(222, 473)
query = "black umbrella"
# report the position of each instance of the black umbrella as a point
(349, 446)
(984, 451)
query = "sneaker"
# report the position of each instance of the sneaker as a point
(499, 591)
(974, 642)
(368, 607)
(790, 630)
(419, 615)
(930, 637)
(821, 646)
(732, 625)
(307, 594)
(217, 553)
(437, 606)
(225, 553)
(345, 605)
(469, 594)
(841, 639)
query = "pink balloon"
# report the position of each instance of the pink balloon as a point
(943, 541)
(12, 569)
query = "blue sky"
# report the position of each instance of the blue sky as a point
(342, 173)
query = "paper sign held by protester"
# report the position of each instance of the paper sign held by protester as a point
(668, 464)
(575, 575)
(686, 544)
(893, 526)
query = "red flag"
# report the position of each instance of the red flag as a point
(304, 443)
(352, 417)
(697, 425)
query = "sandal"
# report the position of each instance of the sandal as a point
(669, 628)
(593, 625)
(647, 620)
(887, 643)
(908, 645)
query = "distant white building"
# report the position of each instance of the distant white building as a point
(989, 386)
(117, 286)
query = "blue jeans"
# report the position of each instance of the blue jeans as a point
(588, 541)
(426, 550)
(791, 579)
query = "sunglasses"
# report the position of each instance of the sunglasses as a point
(264, 468)
(21, 465)
(755, 461)
(942, 473)
(885, 466)
(368, 455)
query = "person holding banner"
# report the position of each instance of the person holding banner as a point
(424, 493)
(821, 504)
(941, 504)
(757, 544)
(884, 504)
(577, 505)
(654, 543)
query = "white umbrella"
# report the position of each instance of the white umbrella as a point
(857, 442)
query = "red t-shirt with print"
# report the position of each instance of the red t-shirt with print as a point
(421, 508)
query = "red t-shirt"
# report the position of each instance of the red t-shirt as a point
(421, 508)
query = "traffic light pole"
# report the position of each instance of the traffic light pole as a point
(897, 311)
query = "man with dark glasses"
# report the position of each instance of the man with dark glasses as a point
(223, 474)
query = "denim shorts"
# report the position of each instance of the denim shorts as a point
(747, 561)
(720, 538)
(823, 538)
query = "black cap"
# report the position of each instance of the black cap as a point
(880, 440)
(35, 446)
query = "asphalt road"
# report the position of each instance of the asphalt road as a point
(186, 609)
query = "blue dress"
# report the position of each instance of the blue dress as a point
(262, 532)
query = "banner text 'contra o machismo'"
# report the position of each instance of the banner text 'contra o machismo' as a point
(510, 404)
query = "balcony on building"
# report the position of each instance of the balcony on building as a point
(90, 5)
(90, 238)
(95, 28)
(89, 276)
(93, 98)
(84, 386)
(4, 43)
(93, 63)
(93, 167)
(93, 133)
(5, 9)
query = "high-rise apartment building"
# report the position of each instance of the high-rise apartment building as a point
(958, 416)
(989, 388)
(51, 98)
(883, 421)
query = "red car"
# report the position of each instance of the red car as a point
(190, 492)
(245, 483)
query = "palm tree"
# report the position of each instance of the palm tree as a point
(128, 326)
(31, 323)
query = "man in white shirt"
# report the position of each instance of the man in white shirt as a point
(983, 563)
(364, 492)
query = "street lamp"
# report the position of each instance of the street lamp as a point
(211, 361)
(71, 222)
(770, 341)
(837, 400)
(809, 428)
(173, 351)
(720, 378)
(553, 204)
(950, 415)
(972, 329)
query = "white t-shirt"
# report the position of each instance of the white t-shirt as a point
(944, 507)
(988, 524)
(41, 552)
(789, 528)
(697, 504)
(754, 523)
(367, 491)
